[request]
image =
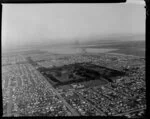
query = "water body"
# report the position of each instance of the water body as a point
(72, 50)
(126, 49)
(131, 51)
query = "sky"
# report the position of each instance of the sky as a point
(26, 24)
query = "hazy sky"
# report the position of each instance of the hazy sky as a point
(49, 23)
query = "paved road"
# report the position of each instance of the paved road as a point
(99, 111)
(73, 111)
(121, 93)
(129, 111)
(10, 103)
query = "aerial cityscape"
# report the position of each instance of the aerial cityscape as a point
(81, 84)
(95, 75)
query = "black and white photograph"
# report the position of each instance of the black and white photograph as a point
(74, 59)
